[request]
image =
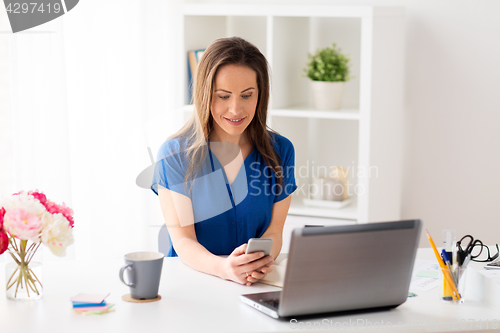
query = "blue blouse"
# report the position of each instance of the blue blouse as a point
(226, 216)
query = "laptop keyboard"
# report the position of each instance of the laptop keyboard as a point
(274, 303)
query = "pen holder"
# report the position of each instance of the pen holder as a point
(458, 276)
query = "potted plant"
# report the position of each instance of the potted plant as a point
(328, 69)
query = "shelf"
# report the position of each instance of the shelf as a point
(304, 111)
(363, 134)
(298, 208)
(289, 10)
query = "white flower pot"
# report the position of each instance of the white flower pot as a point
(325, 188)
(327, 95)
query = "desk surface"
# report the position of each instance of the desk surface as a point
(196, 302)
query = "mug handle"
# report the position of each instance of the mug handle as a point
(121, 276)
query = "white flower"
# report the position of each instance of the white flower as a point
(56, 233)
(24, 201)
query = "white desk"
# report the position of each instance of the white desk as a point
(195, 302)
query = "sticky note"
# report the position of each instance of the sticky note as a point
(82, 305)
(91, 308)
(89, 298)
(428, 274)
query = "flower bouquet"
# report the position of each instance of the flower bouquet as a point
(28, 220)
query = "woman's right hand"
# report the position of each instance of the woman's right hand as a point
(238, 264)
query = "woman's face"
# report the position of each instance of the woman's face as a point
(234, 100)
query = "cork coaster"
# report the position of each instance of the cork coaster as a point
(128, 298)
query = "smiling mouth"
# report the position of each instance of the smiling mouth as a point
(235, 121)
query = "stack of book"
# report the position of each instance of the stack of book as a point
(193, 59)
(91, 304)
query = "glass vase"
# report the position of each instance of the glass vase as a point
(23, 271)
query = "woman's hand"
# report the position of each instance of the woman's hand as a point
(255, 276)
(241, 268)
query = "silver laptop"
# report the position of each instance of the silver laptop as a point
(342, 268)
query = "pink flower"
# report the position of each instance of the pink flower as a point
(2, 213)
(39, 196)
(22, 225)
(50, 206)
(4, 242)
(67, 212)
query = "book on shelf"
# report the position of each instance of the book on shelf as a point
(193, 59)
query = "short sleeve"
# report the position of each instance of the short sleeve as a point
(169, 168)
(286, 151)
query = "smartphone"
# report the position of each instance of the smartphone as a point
(260, 244)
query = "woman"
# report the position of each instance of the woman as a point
(224, 178)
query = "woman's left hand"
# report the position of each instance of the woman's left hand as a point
(255, 276)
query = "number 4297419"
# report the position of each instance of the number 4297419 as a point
(33, 7)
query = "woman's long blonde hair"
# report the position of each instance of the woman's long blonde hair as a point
(224, 51)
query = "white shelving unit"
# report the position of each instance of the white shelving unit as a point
(365, 135)
(301, 112)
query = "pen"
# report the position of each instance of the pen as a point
(448, 245)
(464, 265)
(446, 259)
(466, 261)
(446, 256)
(446, 272)
(452, 274)
(454, 257)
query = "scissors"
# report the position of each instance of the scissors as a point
(463, 253)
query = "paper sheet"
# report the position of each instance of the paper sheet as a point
(492, 274)
(423, 275)
(277, 276)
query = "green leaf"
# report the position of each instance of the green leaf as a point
(328, 64)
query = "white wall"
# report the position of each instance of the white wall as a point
(452, 137)
(88, 95)
(453, 119)
(6, 148)
(452, 108)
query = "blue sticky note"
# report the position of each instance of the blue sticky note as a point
(83, 305)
